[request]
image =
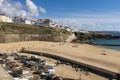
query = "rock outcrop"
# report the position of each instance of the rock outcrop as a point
(10, 32)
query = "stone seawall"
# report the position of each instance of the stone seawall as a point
(7, 38)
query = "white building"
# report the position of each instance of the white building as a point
(33, 22)
(83, 31)
(68, 29)
(53, 25)
(4, 18)
(44, 22)
(20, 20)
(27, 21)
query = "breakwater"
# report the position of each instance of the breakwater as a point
(79, 65)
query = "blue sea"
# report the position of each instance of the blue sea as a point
(110, 41)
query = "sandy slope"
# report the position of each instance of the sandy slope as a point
(84, 53)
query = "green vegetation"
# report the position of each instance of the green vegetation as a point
(10, 28)
(10, 32)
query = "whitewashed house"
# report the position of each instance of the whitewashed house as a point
(83, 31)
(68, 29)
(43, 22)
(28, 21)
(4, 18)
(18, 20)
(53, 25)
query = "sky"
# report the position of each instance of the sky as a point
(92, 15)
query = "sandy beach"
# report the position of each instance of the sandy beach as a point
(93, 55)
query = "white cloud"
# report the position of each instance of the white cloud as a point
(33, 9)
(15, 8)
(96, 15)
(42, 10)
(12, 8)
(91, 23)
